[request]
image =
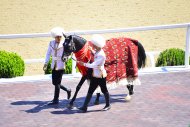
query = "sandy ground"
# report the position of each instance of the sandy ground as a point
(26, 16)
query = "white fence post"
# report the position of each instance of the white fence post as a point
(73, 67)
(187, 47)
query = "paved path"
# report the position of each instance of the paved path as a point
(163, 100)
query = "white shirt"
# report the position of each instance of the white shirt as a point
(56, 52)
(98, 65)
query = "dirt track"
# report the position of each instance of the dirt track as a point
(26, 16)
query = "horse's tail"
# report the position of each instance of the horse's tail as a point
(141, 56)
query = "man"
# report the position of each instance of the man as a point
(99, 73)
(55, 50)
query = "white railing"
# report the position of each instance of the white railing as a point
(134, 29)
(151, 55)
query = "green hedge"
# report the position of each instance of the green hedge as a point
(68, 68)
(11, 65)
(49, 71)
(171, 57)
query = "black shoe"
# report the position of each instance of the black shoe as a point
(106, 108)
(68, 94)
(83, 109)
(53, 102)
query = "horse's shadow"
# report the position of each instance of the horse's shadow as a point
(42, 105)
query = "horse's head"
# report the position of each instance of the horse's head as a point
(73, 43)
(69, 47)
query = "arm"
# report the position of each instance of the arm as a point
(96, 63)
(48, 54)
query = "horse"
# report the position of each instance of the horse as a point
(124, 57)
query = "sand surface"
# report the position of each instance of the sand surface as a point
(38, 16)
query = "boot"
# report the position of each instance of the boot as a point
(85, 105)
(107, 98)
(97, 99)
(56, 96)
(67, 90)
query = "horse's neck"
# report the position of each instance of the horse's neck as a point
(79, 43)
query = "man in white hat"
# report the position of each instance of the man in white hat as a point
(99, 73)
(55, 50)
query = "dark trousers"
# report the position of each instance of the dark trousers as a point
(95, 82)
(56, 81)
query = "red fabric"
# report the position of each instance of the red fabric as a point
(121, 58)
(85, 56)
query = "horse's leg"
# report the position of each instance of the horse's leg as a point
(76, 92)
(130, 88)
(97, 91)
(131, 92)
(96, 102)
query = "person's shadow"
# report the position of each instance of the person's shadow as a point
(119, 98)
(42, 105)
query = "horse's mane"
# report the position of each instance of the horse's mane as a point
(79, 38)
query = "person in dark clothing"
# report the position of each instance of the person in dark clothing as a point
(99, 73)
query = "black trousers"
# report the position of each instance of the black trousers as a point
(57, 76)
(95, 82)
(56, 81)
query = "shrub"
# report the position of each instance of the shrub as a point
(68, 68)
(11, 65)
(171, 57)
(49, 70)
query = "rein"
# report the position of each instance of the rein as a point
(76, 60)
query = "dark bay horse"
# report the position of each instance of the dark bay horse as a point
(79, 46)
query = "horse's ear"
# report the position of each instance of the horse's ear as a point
(64, 35)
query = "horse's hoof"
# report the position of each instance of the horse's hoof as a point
(70, 106)
(96, 102)
(131, 92)
(128, 98)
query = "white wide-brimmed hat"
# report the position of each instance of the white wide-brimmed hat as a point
(98, 40)
(57, 31)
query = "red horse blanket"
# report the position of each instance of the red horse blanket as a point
(84, 55)
(121, 61)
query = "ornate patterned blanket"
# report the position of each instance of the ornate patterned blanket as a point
(121, 61)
